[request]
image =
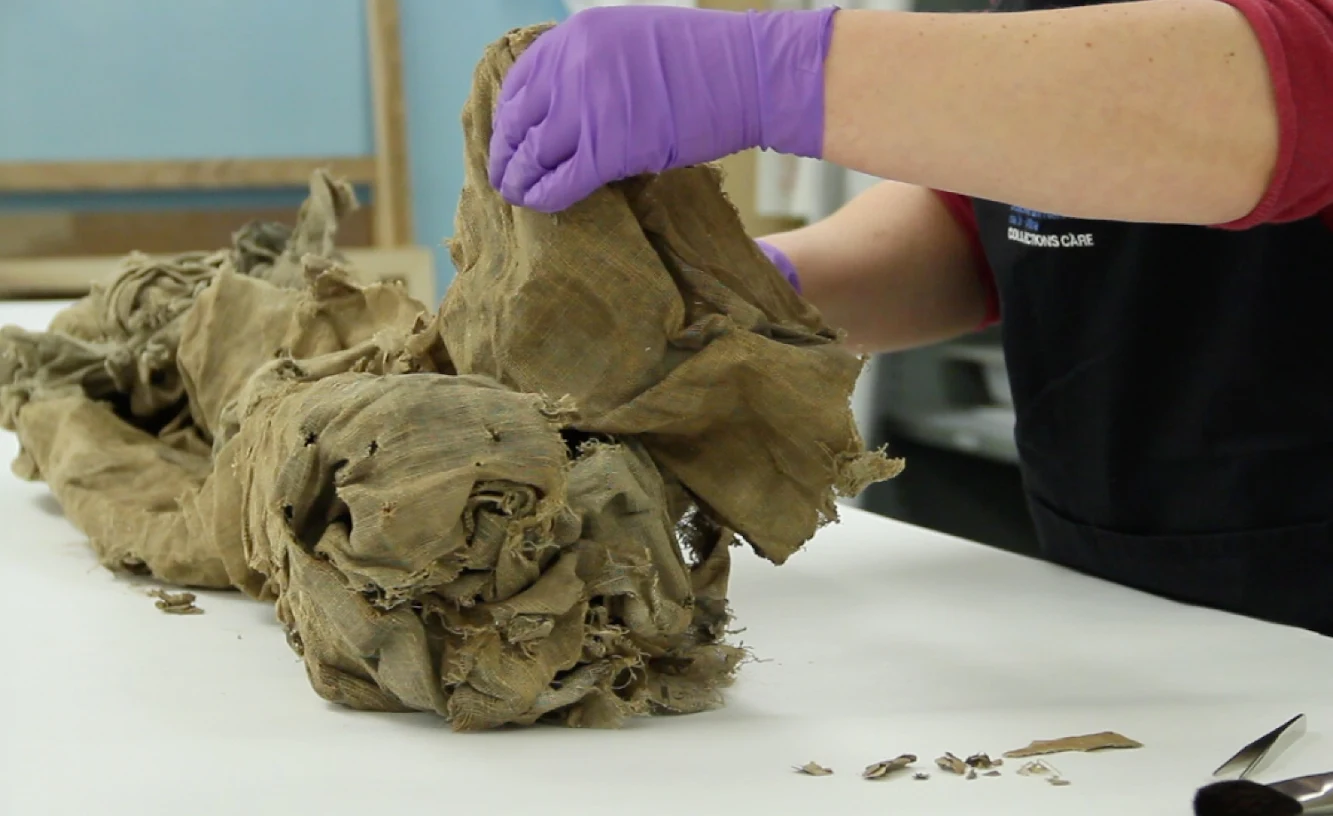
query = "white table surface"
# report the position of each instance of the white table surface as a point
(879, 639)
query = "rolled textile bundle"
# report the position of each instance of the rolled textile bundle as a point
(518, 509)
(436, 543)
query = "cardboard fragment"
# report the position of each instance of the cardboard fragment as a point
(983, 762)
(971, 773)
(814, 769)
(1102, 741)
(991, 773)
(880, 770)
(176, 603)
(1058, 781)
(952, 764)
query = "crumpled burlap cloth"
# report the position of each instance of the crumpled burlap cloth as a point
(518, 509)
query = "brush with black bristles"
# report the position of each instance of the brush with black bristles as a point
(1303, 796)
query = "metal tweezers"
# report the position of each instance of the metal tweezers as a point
(1257, 755)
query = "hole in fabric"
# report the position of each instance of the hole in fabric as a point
(295, 643)
(576, 440)
(324, 508)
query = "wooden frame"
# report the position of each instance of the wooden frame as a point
(386, 171)
(182, 175)
(392, 197)
(410, 266)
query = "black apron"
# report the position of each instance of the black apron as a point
(1174, 395)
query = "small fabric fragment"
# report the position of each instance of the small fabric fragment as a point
(881, 770)
(1035, 768)
(176, 603)
(983, 761)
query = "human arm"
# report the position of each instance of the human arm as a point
(1145, 111)
(1184, 111)
(892, 268)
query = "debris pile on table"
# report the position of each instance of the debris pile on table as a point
(516, 509)
(983, 765)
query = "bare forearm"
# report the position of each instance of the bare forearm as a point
(892, 269)
(1157, 110)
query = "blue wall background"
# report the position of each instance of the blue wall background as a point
(163, 79)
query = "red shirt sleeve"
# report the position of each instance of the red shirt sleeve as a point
(1297, 39)
(960, 207)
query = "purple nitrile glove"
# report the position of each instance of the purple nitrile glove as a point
(782, 262)
(614, 92)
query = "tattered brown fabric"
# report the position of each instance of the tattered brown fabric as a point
(504, 512)
(433, 547)
(648, 306)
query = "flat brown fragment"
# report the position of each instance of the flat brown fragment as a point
(952, 764)
(1058, 781)
(814, 769)
(983, 762)
(176, 603)
(880, 770)
(991, 773)
(1103, 741)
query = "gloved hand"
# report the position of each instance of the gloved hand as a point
(782, 262)
(619, 91)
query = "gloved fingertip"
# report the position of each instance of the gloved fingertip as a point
(512, 197)
(512, 188)
(538, 202)
(518, 73)
(498, 160)
(549, 197)
(780, 260)
(496, 171)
